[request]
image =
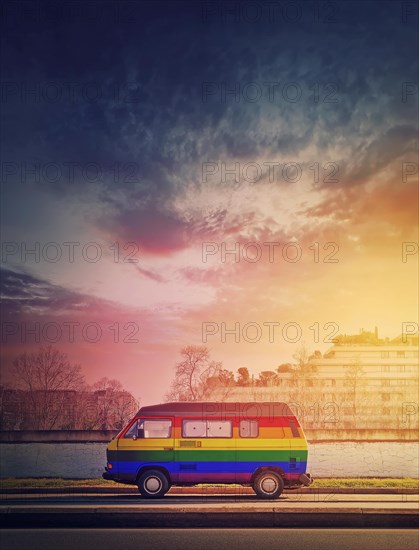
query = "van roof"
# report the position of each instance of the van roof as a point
(213, 408)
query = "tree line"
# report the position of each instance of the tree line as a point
(196, 375)
(48, 392)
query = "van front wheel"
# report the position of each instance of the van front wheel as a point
(268, 484)
(153, 484)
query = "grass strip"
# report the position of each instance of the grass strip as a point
(360, 482)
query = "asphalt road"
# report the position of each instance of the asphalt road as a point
(209, 539)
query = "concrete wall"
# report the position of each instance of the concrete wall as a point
(330, 459)
(91, 436)
(55, 436)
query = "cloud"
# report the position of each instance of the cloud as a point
(24, 294)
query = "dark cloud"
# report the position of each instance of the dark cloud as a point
(23, 293)
(392, 144)
(150, 274)
(149, 63)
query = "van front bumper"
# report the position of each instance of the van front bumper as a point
(107, 475)
(305, 479)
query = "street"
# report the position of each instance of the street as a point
(209, 539)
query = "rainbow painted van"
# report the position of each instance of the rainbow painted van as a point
(256, 444)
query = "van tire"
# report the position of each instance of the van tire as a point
(268, 484)
(153, 484)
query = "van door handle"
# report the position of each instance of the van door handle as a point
(168, 448)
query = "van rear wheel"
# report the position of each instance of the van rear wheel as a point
(268, 484)
(153, 484)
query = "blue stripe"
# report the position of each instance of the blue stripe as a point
(208, 467)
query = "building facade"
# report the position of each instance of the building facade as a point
(361, 383)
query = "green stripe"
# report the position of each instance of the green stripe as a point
(207, 456)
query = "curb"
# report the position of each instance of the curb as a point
(118, 490)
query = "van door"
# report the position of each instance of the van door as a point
(147, 442)
(206, 451)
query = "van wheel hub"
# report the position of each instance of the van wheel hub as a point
(269, 485)
(153, 484)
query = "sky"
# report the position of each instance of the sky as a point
(240, 175)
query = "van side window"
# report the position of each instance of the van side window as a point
(219, 428)
(294, 428)
(249, 428)
(207, 428)
(194, 428)
(150, 429)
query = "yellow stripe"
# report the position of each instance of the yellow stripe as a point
(242, 444)
(211, 443)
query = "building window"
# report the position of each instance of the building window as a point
(385, 368)
(400, 354)
(207, 428)
(249, 428)
(385, 382)
(385, 354)
(402, 368)
(147, 429)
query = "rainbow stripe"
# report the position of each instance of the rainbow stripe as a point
(203, 460)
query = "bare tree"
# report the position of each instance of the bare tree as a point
(48, 380)
(354, 383)
(301, 356)
(301, 382)
(243, 378)
(192, 374)
(111, 405)
(267, 378)
(226, 377)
